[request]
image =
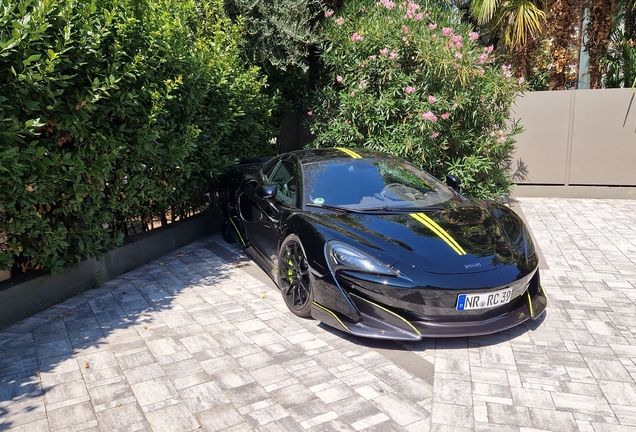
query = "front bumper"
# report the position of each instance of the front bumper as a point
(379, 320)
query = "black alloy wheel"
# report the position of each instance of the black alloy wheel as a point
(293, 277)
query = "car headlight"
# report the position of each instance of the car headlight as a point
(341, 256)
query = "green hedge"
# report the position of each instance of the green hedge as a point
(112, 111)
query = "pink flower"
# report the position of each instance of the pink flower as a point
(353, 94)
(405, 29)
(356, 37)
(384, 51)
(483, 58)
(434, 135)
(481, 71)
(456, 40)
(432, 99)
(506, 71)
(521, 80)
(362, 84)
(372, 57)
(432, 26)
(433, 36)
(428, 115)
(339, 21)
(387, 4)
(501, 139)
(418, 17)
(409, 90)
(447, 31)
(458, 55)
(328, 13)
(473, 36)
(445, 115)
(492, 134)
(310, 113)
(410, 9)
(393, 55)
(339, 78)
(417, 71)
(455, 105)
(489, 49)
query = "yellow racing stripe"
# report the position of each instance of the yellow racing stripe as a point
(332, 313)
(430, 224)
(530, 305)
(349, 152)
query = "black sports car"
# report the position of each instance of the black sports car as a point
(376, 247)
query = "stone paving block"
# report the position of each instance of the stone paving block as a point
(401, 411)
(203, 397)
(508, 415)
(172, 418)
(122, 417)
(262, 416)
(155, 390)
(144, 373)
(581, 404)
(111, 395)
(452, 415)
(451, 391)
(219, 418)
(607, 370)
(247, 395)
(292, 395)
(65, 394)
(77, 417)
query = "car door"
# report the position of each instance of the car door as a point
(263, 229)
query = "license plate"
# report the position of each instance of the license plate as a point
(483, 300)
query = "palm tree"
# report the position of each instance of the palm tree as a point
(519, 23)
(597, 34)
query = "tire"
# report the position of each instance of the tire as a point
(293, 277)
(226, 228)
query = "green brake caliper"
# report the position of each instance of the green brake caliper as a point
(290, 272)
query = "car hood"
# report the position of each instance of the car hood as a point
(463, 239)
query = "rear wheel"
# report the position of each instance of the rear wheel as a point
(293, 277)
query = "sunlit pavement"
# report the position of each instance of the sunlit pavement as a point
(201, 339)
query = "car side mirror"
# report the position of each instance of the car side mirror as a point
(266, 192)
(454, 183)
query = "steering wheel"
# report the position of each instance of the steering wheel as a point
(386, 191)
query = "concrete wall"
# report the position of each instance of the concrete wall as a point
(575, 144)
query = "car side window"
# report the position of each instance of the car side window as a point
(285, 179)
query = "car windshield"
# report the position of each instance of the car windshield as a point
(371, 184)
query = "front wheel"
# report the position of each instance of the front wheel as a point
(293, 277)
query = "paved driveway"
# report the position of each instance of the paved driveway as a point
(200, 339)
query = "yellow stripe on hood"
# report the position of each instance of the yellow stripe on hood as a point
(349, 152)
(430, 224)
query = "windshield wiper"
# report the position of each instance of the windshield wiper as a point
(374, 210)
(348, 209)
(403, 209)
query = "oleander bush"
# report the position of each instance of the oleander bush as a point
(114, 112)
(409, 80)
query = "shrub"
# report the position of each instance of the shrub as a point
(113, 112)
(410, 81)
